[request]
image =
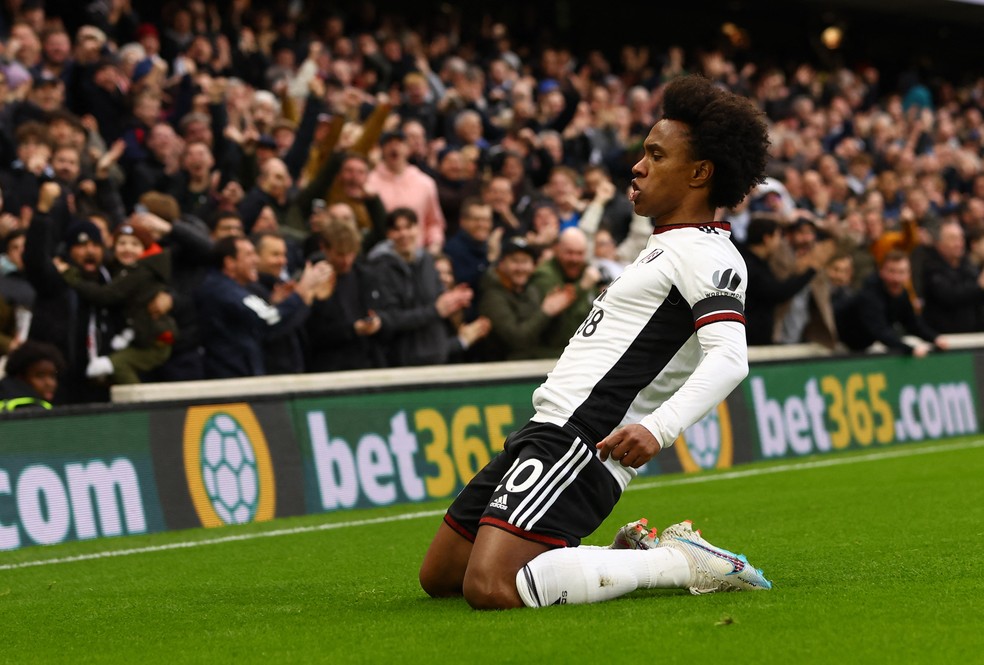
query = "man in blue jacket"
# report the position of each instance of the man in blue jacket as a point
(235, 321)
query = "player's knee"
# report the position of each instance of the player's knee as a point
(488, 590)
(437, 585)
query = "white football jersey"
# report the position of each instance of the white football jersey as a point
(639, 344)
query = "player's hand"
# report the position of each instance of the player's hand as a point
(633, 445)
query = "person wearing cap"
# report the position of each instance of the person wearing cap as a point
(141, 270)
(78, 329)
(400, 184)
(518, 312)
(414, 306)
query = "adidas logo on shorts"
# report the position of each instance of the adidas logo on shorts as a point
(500, 503)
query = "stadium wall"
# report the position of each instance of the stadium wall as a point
(256, 449)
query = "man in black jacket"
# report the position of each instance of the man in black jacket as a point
(414, 304)
(882, 312)
(234, 321)
(953, 289)
(78, 330)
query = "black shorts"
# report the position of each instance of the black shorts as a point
(547, 485)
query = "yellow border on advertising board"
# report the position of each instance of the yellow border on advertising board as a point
(725, 454)
(195, 420)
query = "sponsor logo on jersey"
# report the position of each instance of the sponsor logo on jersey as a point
(500, 503)
(651, 255)
(728, 279)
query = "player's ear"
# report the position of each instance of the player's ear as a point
(701, 175)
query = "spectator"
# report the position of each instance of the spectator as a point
(953, 289)
(569, 270)
(840, 274)
(882, 312)
(766, 290)
(470, 249)
(283, 353)
(141, 272)
(518, 312)
(807, 316)
(79, 330)
(32, 377)
(616, 213)
(402, 185)
(234, 321)
(342, 330)
(414, 304)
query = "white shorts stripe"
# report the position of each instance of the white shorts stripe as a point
(560, 490)
(546, 491)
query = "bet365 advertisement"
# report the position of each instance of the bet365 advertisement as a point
(120, 471)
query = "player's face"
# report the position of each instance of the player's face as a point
(663, 175)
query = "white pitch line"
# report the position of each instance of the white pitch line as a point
(642, 485)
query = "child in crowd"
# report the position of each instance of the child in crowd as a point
(142, 272)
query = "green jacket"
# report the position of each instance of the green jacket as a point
(517, 320)
(545, 279)
(130, 292)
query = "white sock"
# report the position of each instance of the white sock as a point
(99, 366)
(578, 575)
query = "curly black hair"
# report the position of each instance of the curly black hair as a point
(30, 352)
(726, 130)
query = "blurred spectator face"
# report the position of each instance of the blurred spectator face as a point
(561, 187)
(48, 96)
(226, 227)
(802, 237)
(264, 110)
(604, 245)
(571, 252)
(404, 235)
(198, 131)
(29, 53)
(840, 271)
(415, 90)
(107, 77)
(513, 169)
(274, 179)
(353, 175)
(161, 140)
(128, 249)
(499, 193)
(147, 109)
(63, 132)
(198, 160)
(341, 260)
(445, 271)
(32, 148)
(951, 245)
(271, 255)
(243, 267)
(895, 275)
(395, 154)
(57, 48)
(593, 180)
(42, 376)
(341, 212)
(15, 251)
(546, 221)
(65, 163)
(416, 138)
(284, 138)
(88, 255)
(468, 127)
(266, 221)
(452, 166)
(516, 269)
(476, 221)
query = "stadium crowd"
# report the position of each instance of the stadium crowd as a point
(258, 192)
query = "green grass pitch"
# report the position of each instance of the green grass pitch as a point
(875, 556)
